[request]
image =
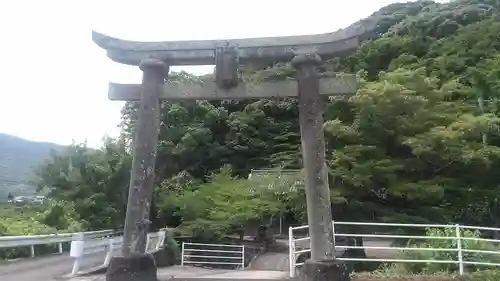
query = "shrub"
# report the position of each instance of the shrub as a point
(487, 275)
(172, 246)
(446, 255)
(26, 220)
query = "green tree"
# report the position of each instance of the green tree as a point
(212, 209)
(406, 156)
(94, 181)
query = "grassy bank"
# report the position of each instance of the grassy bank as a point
(487, 275)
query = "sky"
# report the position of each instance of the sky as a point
(54, 79)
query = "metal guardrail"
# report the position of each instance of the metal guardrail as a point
(213, 254)
(57, 238)
(301, 245)
(83, 245)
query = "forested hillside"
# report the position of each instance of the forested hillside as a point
(18, 158)
(419, 142)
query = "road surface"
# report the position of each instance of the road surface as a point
(45, 268)
(188, 273)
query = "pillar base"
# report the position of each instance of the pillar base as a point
(328, 270)
(134, 268)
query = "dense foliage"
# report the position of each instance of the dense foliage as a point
(217, 205)
(88, 185)
(486, 275)
(419, 142)
(33, 220)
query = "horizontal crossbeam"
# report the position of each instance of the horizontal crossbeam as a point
(343, 85)
(202, 52)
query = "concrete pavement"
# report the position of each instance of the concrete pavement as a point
(45, 268)
(178, 273)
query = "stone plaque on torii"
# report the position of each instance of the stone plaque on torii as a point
(155, 58)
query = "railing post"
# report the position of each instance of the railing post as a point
(59, 245)
(291, 252)
(148, 241)
(182, 254)
(109, 253)
(161, 241)
(459, 249)
(334, 244)
(76, 251)
(32, 251)
(242, 257)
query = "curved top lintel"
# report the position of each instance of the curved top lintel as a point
(111, 43)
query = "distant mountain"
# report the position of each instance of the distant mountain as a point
(18, 158)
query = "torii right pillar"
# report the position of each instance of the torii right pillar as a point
(322, 266)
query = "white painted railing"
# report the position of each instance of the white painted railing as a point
(57, 238)
(213, 254)
(155, 240)
(82, 246)
(301, 244)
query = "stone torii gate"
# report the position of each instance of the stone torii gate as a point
(155, 58)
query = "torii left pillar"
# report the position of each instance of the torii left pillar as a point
(135, 263)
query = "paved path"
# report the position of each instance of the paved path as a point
(45, 268)
(270, 261)
(178, 273)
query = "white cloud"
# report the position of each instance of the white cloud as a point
(54, 79)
